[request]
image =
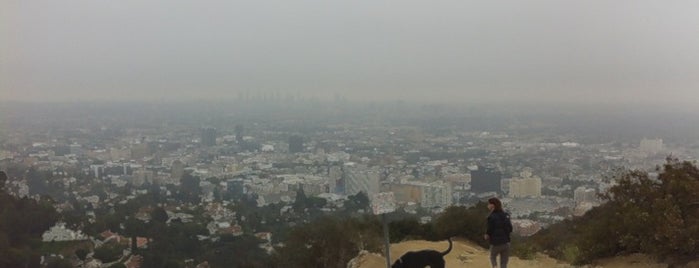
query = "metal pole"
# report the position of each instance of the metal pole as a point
(386, 240)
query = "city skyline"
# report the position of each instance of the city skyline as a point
(308, 133)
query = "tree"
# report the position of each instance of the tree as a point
(172, 264)
(658, 217)
(113, 222)
(316, 202)
(662, 207)
(135, 227)
(330, 242)
(175, 242)
(248, 253)
(59, 263)
(3, 179)
(356, 202)
(134, 243)
(22, 221)
(159, 215)
(75, 218)
(153, 258)
(301, 200)
(108, 253)
(81, 253)
(401, 229)
(462, 221)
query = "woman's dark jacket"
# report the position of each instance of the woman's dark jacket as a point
(499, 228)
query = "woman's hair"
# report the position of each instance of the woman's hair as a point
(496, 202)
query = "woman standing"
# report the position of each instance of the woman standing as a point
(498, 234)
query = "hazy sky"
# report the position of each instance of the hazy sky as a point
(634, 51)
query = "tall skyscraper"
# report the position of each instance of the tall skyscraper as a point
(208, 136)
(295, 144)
(177, 170)
(485, 180)
(651, 146)
(76, 149)
(239, 133)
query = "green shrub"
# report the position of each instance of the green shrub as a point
(525, 251)
(109, 252)
(658, 217)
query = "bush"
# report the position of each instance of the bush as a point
(571, 253)
(330, 242)
(406, 229)
(59, 263)
(81, 253)
(108, 253)
(469, 223)
(525, 251)
(658, 217)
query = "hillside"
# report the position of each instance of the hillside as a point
(467, 254)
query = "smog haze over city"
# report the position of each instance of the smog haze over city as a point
(617, 51)
(258, 133)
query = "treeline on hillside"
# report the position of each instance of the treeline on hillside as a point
(22, 221)
(642, 214)
(329, 242)
(334, 241)
(656, 216)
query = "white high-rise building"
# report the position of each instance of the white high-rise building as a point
(142, 176)
(651, 146)
(76, 149)
(526, 186)
(505, 185)
(436, 194)
(360, 179)
(582, 195)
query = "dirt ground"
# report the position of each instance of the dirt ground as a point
(464, 254)
(467, 254)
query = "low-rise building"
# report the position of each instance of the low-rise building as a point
(60, 232)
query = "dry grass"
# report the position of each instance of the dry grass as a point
(464, 254)
(467, 254)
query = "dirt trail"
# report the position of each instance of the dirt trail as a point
(464, 254)
(467, 254)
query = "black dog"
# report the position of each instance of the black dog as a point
(422, 259)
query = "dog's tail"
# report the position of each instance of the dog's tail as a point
(448, 249)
